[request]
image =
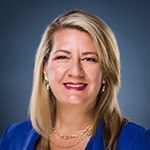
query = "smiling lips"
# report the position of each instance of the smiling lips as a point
(75, 86)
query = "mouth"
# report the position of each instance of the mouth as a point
(75, 86)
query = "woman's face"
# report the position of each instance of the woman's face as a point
(73, 69)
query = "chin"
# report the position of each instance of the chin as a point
(76, 102)
(73, 101)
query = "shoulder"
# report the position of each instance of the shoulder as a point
(19, 126)
(133, 129)
(19, 129)
(16, 134)
(135, 136)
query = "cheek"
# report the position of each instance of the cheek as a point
(97, 78)
(98, 82)
(55, 72)
(95, 73)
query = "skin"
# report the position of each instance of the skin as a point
(73, 60)
(75, 76)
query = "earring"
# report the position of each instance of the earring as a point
(103, 86)
(47, 86)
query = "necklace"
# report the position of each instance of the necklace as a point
(81, 135)
(87, 131)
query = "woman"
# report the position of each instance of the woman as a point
(74, 98)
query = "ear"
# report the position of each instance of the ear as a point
(45, 72)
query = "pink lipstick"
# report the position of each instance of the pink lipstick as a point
(75, 86)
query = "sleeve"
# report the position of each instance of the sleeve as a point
(15, 135)
(142, 141)
(134, 137)
(148, 135)
(3, 139)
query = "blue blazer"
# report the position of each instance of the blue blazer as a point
(22, 136)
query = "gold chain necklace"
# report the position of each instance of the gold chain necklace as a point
(87, 130)
(83, 133)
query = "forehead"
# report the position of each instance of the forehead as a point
(71, 32)
(72, 38)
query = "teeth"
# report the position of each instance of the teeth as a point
(75, 85)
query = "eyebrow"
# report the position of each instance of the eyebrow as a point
(84, 53)
(87, 53)
(64, 51)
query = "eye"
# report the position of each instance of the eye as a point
(61, 57)
(89, 59)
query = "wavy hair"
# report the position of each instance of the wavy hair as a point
(43, 102)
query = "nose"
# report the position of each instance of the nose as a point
(76, 69)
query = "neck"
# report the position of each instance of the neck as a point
(72, 118)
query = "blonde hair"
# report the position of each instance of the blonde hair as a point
(43, 102)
